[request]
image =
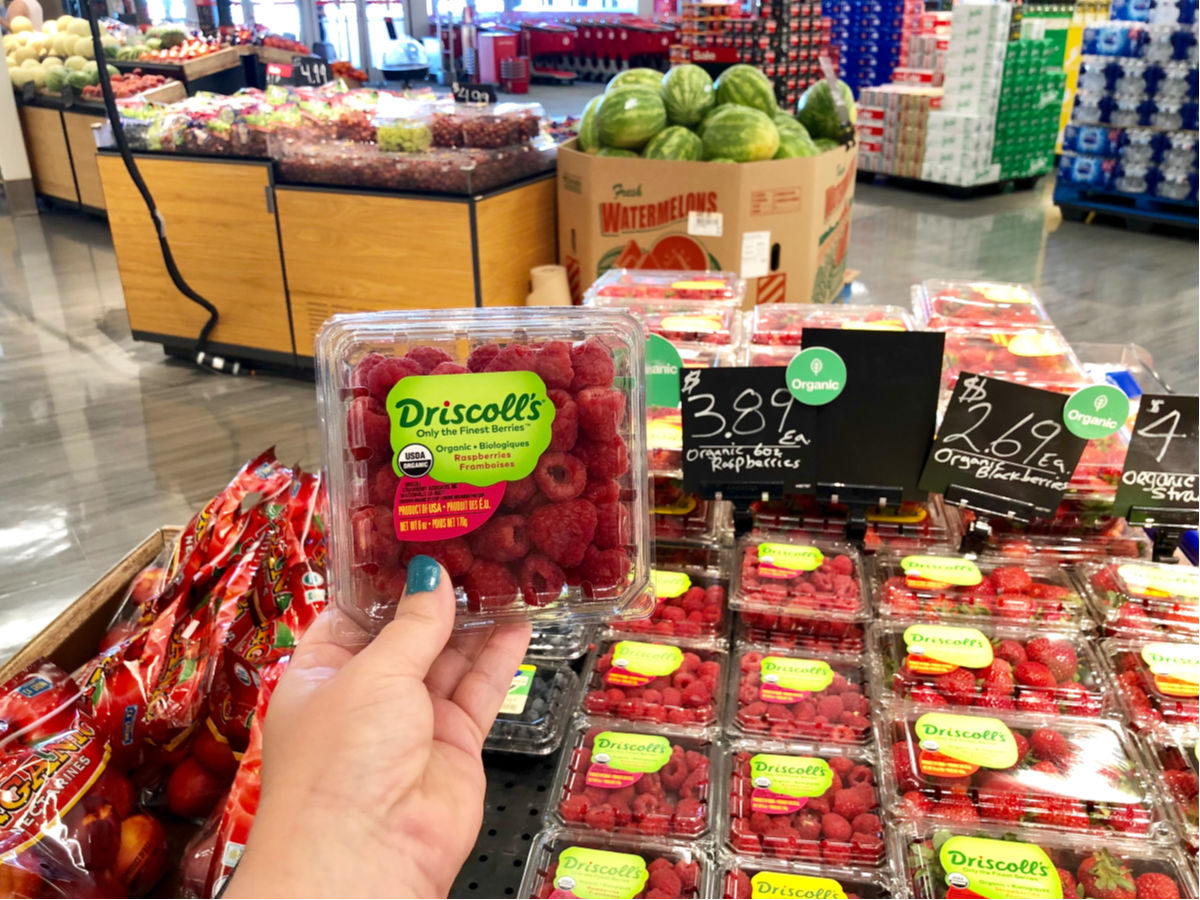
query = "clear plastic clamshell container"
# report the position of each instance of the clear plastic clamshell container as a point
(962, 859)
(1139, 599)
(567, 862)
(744, 877)
(1177, 773)
(634, 780)
(1157, 683)
(784, 323)
(817, 805)
(940, 587)
(1037, 356)
(940, 304)
(909, 525)
(560, 642)
(664, 418)
(990, 667)
(683, 307)
(677, 514)
(507, 444)
(534, 716)
(689, 606)
(1065, 549)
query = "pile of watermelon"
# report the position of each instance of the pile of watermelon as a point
(685, 115)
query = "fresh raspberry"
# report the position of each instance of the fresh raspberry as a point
(604, 571)
(541, 580)
(358, 375)
(737, 885)
(429, 358)
(513, 358)
(381, 489)
(481, 357)
(851, 802)
(449, 368)
(368, 431)
(835, 827)
(866, 823)
(384, 376)
(592, 363)
(574, 808)
(455, 554)
(601, 412)
(666, 881)
(489, 585)
(560, 476)
(612, 526)
(564, 431)
(602, 818)
(689, 874)
(601, 491)
(501, 538)
(563, 531)
(553, 364)
(604, 459)
(518, 493)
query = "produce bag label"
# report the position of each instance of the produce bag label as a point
(1148, 581)
(635, 663)
(788, 680)
(669, 584)
(953, 746)
(786, 560)
(620, 759)
(986, 867)
(780, 884)
(1176, 667)
(937, 649)
(783, 784)
(583, 872)
(518, 691)
(933, 572)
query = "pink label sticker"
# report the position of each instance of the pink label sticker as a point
(600, 775)
(626, 678)
(428, 510)
(767, 801)
(773, 693)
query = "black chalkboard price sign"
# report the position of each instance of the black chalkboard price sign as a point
(1003, 449)
(1160, 483)
(742, 426)
(465, 92)
(309, 71)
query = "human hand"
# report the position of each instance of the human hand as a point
(372, 775)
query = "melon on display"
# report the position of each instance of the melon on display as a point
(674, 142)
(795, 144)
(56, 78)
(826, 144)
(20, 24)
(740, 133)
(627, 117)
(589, 134)
(688, 94)
(746, 86)
(817, 111)
(79, 27)
(647, 78)
(616, 152)
(75, 63)
(84, 48)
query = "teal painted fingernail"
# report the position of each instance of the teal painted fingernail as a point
(423, 575)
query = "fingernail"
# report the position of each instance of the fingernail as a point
(423, 575)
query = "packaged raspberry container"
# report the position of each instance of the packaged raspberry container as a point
(821, 578)
(956, 589)
(990, 667)
(1177, 773)
(680, 515)
(697, 558)
(784, 323)
(781, 632)
(683, 307)
(1040, 771)
(910, 525)
(940, 304)
(1157, 683)
(634, 780)
(560, 642)
(664, 419)
(639, 682)
(566, 862)
(815, 806)
(689, 606)
(1037, 356)
(744, 877)
(507, 444)
(1141, 599)
(970, 860)
(790, 696)
(536, 712)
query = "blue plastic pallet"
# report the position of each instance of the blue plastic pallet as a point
(1182, 213)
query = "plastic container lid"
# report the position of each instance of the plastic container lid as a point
(525, 466)
(677, 514)
(990, 667)
(940, 304)
(821, 578)
(802, 633)
(682, 306)
(1066, 549)
(1050, 773)
(569, 862)
(773, 803)
(534, 716)
(560, 642)
(959, 589)
(1038, 356)
(689, 605)
(1139, 599)
(670, 776)
(1157, 684)
(743, 877)
(784, 323)
(1177, 773)
(911, 524)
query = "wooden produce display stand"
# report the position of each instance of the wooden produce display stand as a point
(220, 72)
(49, 153)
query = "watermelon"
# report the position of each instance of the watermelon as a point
(687, 93)
(674, 142)
(627, 117)
(647, 78)
(793, 144)
(704, 121)
(824, 144)
(589, 136)
(746, 86)
(784, 122)
(722, 159)
(613, 151)
(78, 80)
(740, 133)
(817, 112)
(56, 78)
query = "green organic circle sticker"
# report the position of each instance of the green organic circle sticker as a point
(781, 884)
(816, 376)
(1096, 411)
(986, 867)
(978, 740)
(631, 752)
(949, 644)
(584, 872)
(669, 584)
(663, 365)
(941, 570)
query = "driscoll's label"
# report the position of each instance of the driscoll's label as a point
(954, 746)
(787, 680)
(620, 759)
(1175, 667)
(939, 571)
(937, 649)
(781, 884)
(669, 584)
(1147, 581)
(635, 663)
(985, 867)
(783, 784)
(583, 872)
(787, 560)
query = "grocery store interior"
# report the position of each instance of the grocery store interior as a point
(192, 469)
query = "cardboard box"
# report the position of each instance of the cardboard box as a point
(784, 225)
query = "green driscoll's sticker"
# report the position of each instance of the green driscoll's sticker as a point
(816, 376)
(655, 660)
(518, 691)
(986, 867)
(584, 872)
(787, 680)
(663, 365)
(949, 644)
(941, 570)
(787, 560)
(1096, 411)
(781, 884)
(976, 740)
(1161, 581)
(669, 584)
(631, 752)
(477, 428)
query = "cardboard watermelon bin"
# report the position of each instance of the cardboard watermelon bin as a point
(783, 224)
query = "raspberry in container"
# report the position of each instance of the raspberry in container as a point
(688, 605)
(782, 632)
(1033, 355)
(792, 696)
(683, 307)
(566, 862)
(507, 444)
(911, 524)
(536, 712)
(969, 860)
(814, 806)
(941, 304)
(1140, 599)
(745, 877)
(782, 324)
(1177, 773)
(560, 642)
(638, 682)
(632, 780)
(680, 515)
(935, 586)
(1039, 771)
(1157, 683)
(990, 667)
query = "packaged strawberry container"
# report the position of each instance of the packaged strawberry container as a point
(1037, 356)
(940, 304)
(821, 578)
(908, 526)
(566, 862)
(534, 716)
(681, 515)
(746, 877)
(634, 780)
(970, 860)
(784, 323)
(1140, 599)
(794, 696)
(957, 589)
(1177, 773)
(689, 606)
(640, 682)
(683, 307)
(507, 444)
(560, 642)
(813, 806)
(1066, 549)
(990, 667)
(1157, 683)
(1040, 771)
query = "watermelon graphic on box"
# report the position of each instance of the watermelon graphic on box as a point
(679, 252)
